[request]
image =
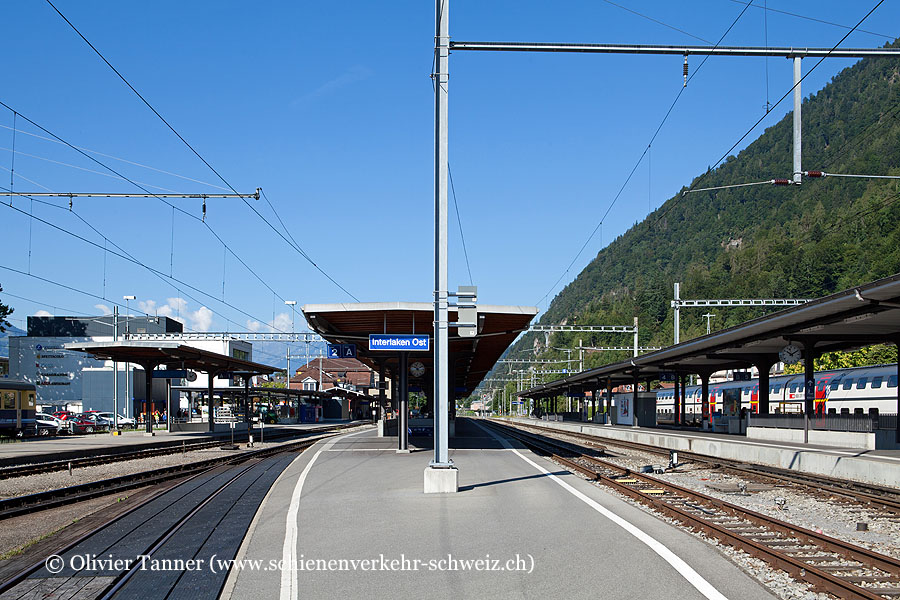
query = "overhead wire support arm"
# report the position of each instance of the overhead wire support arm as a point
(739, 185)
(790, 52)
(823, 174)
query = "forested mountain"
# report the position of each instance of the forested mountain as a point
(757, 242)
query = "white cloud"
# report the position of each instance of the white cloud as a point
(282, 323)
(42, 313)
(200, 319)
(103, 308)
(253, 325)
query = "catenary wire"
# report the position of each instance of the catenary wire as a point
(198, 155)
(641, 158)
(459, 222)
(813, 19)
(124, 255)
(675, 201)
(132, 182)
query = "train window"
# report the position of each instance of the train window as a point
(9, 400)
(876, 382)
(848, 383)
(861, 383)
(776, 389)
(29, 401)
(835, 385)
(892, 381)
(793, 388)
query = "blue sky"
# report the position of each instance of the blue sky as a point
(328, 107)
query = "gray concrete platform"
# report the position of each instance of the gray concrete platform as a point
(880, 467)
(43, 449)
(350, 515)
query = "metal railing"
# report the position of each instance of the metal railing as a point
(865, 423)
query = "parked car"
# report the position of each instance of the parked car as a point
(111, 419)
(64, 415)
(46, 426)
(87, 423)
(62, 427)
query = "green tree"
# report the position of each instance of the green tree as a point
(880, 354)
(5, 311)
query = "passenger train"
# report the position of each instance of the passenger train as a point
(17, 408)
(860, 390)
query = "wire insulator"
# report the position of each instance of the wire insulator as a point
(685, 70)
(781, 181)
(203, 218)
(814, 174)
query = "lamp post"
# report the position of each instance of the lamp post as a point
(290, 303)
(127, 299)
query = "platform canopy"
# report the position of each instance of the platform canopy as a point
(857, 317)
(471, 358)
(172, 354)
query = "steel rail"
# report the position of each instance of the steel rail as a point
(142, 453)
(253, 456)
(28, 504)
(671, 495)
(882, 497)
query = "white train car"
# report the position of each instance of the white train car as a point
(860, 390)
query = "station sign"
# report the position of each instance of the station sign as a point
(399, 341)
(667, 376)
(341, 350)
(170, 374)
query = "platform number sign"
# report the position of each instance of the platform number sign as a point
(341, 350)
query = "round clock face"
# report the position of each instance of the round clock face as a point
(790, 354)
(417, 369)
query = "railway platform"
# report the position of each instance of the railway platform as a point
(879, 467)
(43, 449)
(348, 519)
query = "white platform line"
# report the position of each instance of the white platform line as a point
(289, 577)
(684, 569)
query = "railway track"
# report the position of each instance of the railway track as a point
(102, 459)
(31, 503)
(175, 523)
(884, 499)
(830, 565)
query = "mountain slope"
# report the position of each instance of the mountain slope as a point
(758, 242)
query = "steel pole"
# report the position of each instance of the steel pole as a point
(677, 306)
(441, 342)
(116, 370)
(798, 100)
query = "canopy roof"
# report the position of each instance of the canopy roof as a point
(861, 316)
(471, 358)
(171, 354)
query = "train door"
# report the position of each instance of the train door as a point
(754, 399)
(731, 401)
(821, 394)
(8, 406)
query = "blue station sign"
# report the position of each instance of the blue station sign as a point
(399, 341)
(341, 350)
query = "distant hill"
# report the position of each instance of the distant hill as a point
(4, 339)
(757, 242)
